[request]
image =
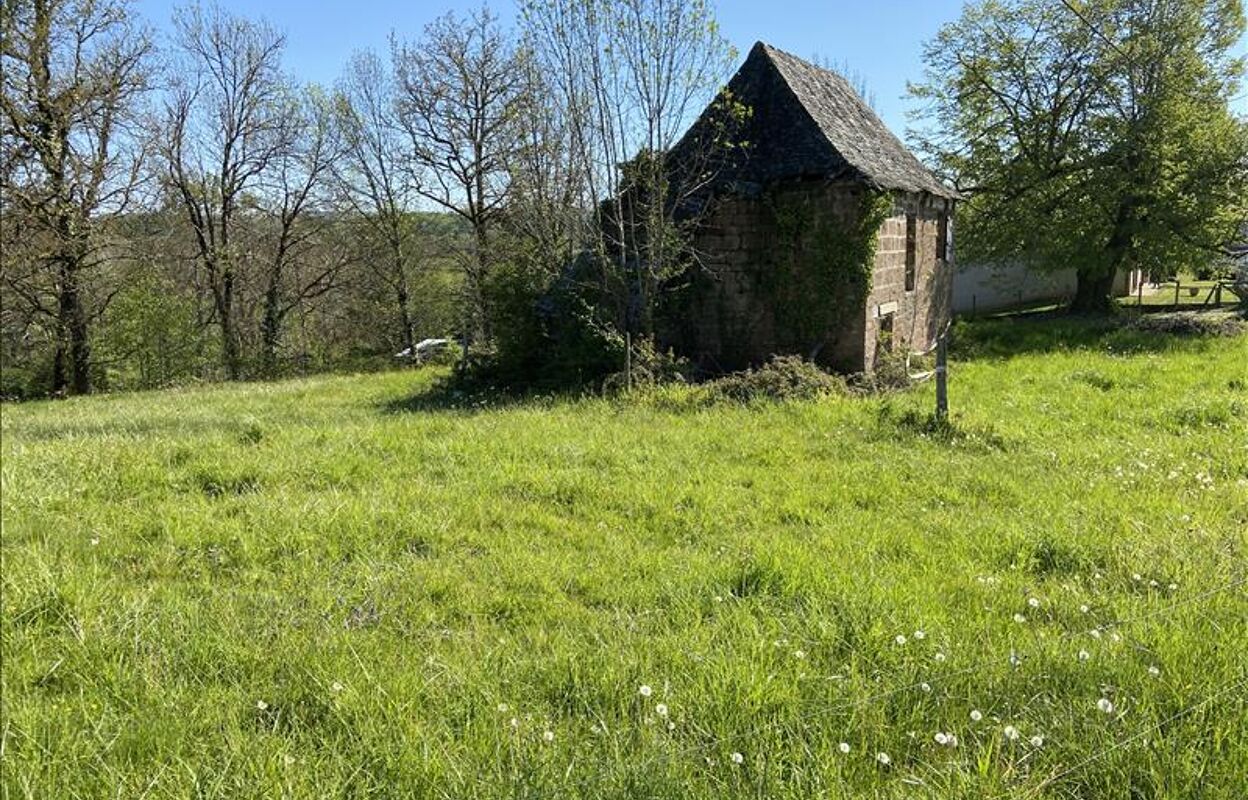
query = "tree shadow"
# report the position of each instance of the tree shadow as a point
(449, 397)
(1037, 332)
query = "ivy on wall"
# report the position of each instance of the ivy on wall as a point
(816, 270)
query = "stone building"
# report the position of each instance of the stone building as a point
(786, 217)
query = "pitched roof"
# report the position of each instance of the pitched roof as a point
(807, 121)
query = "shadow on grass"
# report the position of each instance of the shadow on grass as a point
(1039, 332)
(449, 397)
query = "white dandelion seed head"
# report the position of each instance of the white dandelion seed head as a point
(1019, 618)
(594, 728)
(644, 690)
(1034, 602)
(843, 747)
(1153, 583)
(920, 635)
(515, 723)
(737, 758)
(1105, 705)
(95, 540)
(799, 653)
(671, 726)
(336, 686)
(1095, 633)
(1173, 587)
(1084, 655)
(901, 639)
(1084, 609)
(1010, 732)
(925, 686)
(953, 740)
(1135, 576)
(661, 709)
(941, 738)
(263, 706)
(976, 715)
(548, 736)
(883, 758)
(1037, 741)
(719, 598)
(938, 658)
(1153, 670)
(503, 708)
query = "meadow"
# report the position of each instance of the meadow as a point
(359, 586)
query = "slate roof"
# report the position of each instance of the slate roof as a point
(807, 122)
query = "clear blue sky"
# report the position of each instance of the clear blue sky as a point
(880, 39)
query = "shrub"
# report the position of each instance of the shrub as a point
(781, 378)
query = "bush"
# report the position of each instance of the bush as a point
(1190, 323)
(781, 378)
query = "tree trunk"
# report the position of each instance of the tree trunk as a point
(230, 348)
(271, 329)
(478, 286)
(405, 318)
(1092, 292)
(73, 334)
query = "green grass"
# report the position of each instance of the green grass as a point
(1192, 292)
(322, 588)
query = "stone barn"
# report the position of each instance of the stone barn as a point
(816, 231)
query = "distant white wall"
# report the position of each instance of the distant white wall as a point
(992, 287)
(983, 288)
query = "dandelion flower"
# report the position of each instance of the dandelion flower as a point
(920, 635)
(901, 639)
(883, 758)
(1135, 576)
(719, 598)
(1095, 633)
(1037, 741)
(843, 747)
(671, 726)
(263, 706)
(941, 738)
(1019, 618)
(1011, 732)
(939, 658)
(95, 540)
(548, 736)
(661, 709)
(1084, 609)
(737, 758)
(1153, 670)
(645, 691)
(1105, 705)
(976, 715)
(799, 653)
(1084, 655)
(1034, 602)
(515, 723)
(1174, 586)
(1153, 583)
(925, 686)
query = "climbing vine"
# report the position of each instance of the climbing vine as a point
(817, 270)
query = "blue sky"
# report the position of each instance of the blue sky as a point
(881, 40)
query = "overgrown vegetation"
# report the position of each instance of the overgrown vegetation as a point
(332, 587)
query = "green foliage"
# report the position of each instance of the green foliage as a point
(781, 378)
(1100, 140)
(315, 588)
(818, 268)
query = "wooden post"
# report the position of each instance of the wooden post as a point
(942, 391)
(1139, 292)
(1176, 292)
(1217, 296)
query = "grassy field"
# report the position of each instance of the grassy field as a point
(346, 587)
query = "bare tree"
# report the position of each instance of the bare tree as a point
(629, 76)
(228, 119)
(461, 88)
(296, 192)
(377, 177)
(75, 73)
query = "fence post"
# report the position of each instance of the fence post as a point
(1217, 296)
(1139, 293)
(1176, 292)
(942, 390)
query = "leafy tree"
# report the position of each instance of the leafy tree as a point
(74, 77)
(1095, 135)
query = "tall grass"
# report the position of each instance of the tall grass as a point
(320, 588)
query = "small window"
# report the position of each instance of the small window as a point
(942, 237)
(911, 250)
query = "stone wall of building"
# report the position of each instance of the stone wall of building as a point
(917, 314)
(734, 315)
